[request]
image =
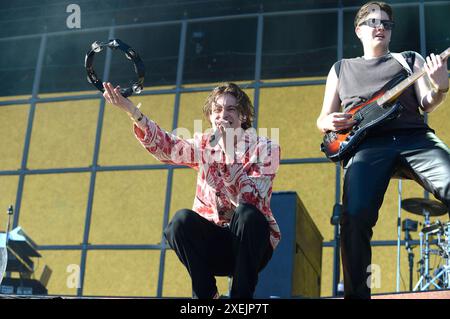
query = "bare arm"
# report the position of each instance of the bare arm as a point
(330, 118)
(429, 88)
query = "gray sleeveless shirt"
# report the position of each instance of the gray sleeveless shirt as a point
(359, 79)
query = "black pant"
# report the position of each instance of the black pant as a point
(420, 156)
(207, 250)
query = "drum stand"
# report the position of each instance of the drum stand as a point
(410, 258)
(399, 232)
(443, 272)
(425, 280)
(443, 275)
(424, 263)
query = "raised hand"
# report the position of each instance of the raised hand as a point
(112, 95)
(437, 71)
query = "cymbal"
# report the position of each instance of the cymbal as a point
(419, 205)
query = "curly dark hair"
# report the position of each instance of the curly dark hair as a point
(244, 105)
(364, 11)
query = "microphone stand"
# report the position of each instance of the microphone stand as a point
(4, 250)
(334, 220)
(410, 258)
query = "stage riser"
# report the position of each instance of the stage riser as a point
(418, 295)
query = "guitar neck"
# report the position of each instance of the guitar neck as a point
(394, 92)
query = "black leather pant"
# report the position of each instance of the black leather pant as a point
(241, 250)
(418, 155)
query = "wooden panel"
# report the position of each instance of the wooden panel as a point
(306, 281)
(309, 239)
(308, 256)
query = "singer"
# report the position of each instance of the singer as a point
(230, 230)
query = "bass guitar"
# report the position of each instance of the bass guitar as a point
(382, 107)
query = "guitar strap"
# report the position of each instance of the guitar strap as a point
(401, 59)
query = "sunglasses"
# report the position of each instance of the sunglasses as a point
(376, 23)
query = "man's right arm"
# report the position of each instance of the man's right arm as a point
(330, 118)
(164, 146)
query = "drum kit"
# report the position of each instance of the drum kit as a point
(434, 240)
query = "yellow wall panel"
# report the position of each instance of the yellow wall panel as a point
(121, 273)
(94, 91)
(386, 259)
(314, 185)
(128, 207)
(53, 208)
(191, 105)
(293, 111)
(222, 284)
(386, 227)
(118, 145)
(8, 191)
(59, 94)
(309, 78)
(213, 85)
(326, 284)
(177, 282)
(14, 97)
(63, 134)
(439, 121)
(183, 190)
(13, 126)
(64, 266)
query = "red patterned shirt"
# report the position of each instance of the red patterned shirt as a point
(221, 183)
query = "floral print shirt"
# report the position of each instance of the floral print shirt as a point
(221, 183)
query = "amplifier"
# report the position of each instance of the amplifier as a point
(294, 270)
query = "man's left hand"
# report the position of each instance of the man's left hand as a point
(437, 71)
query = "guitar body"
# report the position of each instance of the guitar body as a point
(339, 145)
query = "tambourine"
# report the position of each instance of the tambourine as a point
(96, 47)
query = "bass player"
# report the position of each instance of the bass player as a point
(405, 145)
